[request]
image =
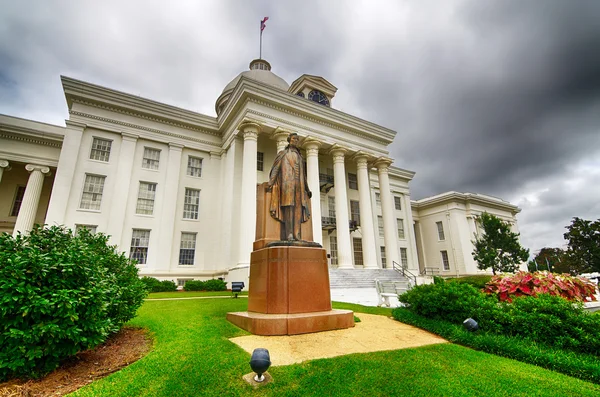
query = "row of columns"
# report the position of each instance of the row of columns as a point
(250, 130)
(31, 198)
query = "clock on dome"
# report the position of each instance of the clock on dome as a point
(319, 97)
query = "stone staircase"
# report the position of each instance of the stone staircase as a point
(363, 278)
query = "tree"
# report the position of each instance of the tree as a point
(497, 247)
(583, 238)
(554, 260)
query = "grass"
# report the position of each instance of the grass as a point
(193, 357)
(191, 294)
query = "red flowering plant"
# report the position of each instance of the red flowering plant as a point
(507, 287)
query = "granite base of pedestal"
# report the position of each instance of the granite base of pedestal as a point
(289, 293)
(292, 324)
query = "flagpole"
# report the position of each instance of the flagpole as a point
(260, 48)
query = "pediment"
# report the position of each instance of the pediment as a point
(313, 82)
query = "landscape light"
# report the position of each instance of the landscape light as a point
(260, 363)
(471, 325)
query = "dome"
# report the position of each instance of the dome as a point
(260, 70)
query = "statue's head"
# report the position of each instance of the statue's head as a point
(293, 139)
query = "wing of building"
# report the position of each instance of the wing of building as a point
(176, 190)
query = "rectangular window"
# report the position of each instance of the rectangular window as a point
(91, 199)
(191, 203)
(352, 181)
(440, 229)
(400, 223)
(380, 224)
(333, 249)
(445, 261)
(378, 200)
(139, 245)
(17, 201)
(145, 201)
(187, 249)
(151, 158)
(358, 253)
(331, 206)
(383, 264)
(90, 228)
(194, 167)
(398, 203)
(355, 211)
(260, 161)
(181, 281)
(403, 258)
(100, 149)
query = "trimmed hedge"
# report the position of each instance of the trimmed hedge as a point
(478, 281)
(582, 366)
(154, 285)
(60, 294)
(208, 285)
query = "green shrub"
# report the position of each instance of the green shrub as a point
(448, 301)
(583, 366)
(194, 285)
(438, 280)
(478, 281)
(153, 285)
(60, 294)
(215, 285)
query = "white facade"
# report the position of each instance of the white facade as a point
(177, 189)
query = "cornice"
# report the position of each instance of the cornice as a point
(139, 127)
(31, 139)
(145, 116)
(465, 198)
(401, 173)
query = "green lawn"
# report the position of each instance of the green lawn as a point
(190, 294)
(193, 357)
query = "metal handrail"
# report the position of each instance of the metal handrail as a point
(405, 272)
(430, 271)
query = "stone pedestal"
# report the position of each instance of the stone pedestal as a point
(289, 294)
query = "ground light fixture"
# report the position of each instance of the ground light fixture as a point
(260, 363)
(470, 325)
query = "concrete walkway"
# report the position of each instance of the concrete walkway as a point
(195, 297)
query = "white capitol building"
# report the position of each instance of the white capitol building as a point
(176, 189)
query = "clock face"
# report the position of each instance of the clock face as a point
(319, 97)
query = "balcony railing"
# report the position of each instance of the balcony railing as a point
(329, 223)
(326, 182)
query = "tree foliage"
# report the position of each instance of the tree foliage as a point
(555, 260)
(583, 238)
(497, 247)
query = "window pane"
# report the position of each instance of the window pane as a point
(194, 167)
(100, 149)
(260, 159)
(400, 228)
(445, 261)
(333, 249)
(380, 224)
(331, 205)
(440, 228)
(398, 203)
(18, 200)
(139, 245)
(403, 258)
(358, 254)
(352, 182)
(93, 187)
(378, 199)
(383, 259)
(355, 211)
(191, 204)
(145, 202)
(187, 248)
(91, 228)
(151, 158)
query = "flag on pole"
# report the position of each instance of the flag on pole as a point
(262, 24)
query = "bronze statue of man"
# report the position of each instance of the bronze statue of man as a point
(290, 197)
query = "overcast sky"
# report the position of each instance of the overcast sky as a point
(495, 97)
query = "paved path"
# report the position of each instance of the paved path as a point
(194, 297)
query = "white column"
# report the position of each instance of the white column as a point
(280, 137)
(227, 209)
(390, 230)
(169, 208)
(366, 219)
(123, 184)
(67, 162)
(341, 210)
(3, 164)
(312, 171)
(247, 227)
(413, 260)
(31, 198)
